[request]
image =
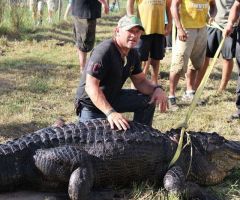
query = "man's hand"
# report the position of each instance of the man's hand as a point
(182, 35)
(210, 20)
(159, 97)
(119, 120)
(228, 30)
(106, 8)
(168, 29)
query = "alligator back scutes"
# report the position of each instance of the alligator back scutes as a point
(92, 132)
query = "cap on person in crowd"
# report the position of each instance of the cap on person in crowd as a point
(128, 22)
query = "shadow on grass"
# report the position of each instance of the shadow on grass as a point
(18, 129)
(217, 74)
(61, 32)
(32, 70)
(30, 65)
(108, 21)
(7, 85)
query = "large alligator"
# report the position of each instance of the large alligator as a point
(80, 156)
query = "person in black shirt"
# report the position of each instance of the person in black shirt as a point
(100, 93)
(232, 18)
(85, 13)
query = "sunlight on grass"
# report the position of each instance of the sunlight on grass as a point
(37, 85)
(145, 191)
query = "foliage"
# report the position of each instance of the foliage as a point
(2, 9)
(16, 17)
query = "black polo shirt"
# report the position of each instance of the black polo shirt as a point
(107, 65)
(86, 9)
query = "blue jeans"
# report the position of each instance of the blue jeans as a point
(127, 101)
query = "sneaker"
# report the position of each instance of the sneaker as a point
(172, 104)
(188, 97)
(168, 49)
(111, 7)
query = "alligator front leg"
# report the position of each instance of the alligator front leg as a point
(174, 182)
(80, 184)
(67, 165)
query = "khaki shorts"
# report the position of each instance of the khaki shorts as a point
(84, 31)
(194, 48)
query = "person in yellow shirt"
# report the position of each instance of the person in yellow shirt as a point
(152, 42)
(190, 17)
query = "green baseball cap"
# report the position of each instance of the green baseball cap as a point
(128, 22)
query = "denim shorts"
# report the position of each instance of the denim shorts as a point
(214, 38)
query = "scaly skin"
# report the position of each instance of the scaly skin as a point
(92, 155)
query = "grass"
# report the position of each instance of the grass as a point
(39, 74)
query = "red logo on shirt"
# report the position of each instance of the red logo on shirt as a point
(96, 67)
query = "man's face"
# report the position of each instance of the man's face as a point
(130, 38)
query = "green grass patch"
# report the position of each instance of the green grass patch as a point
(38, 85)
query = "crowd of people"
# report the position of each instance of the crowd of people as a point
(37, 7)
(139, 41)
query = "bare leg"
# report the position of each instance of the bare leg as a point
(82, 59)
(226, 74)
(201, 72)
(173, 81)
(190, 79)
(146, 65)
(34, 13)
(67, 11)
(50, 16)
(40, 12)
(155, 66)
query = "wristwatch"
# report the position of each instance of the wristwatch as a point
(110, 112)
(157, 86)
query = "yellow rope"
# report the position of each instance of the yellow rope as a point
(216, 25)
(183, 125)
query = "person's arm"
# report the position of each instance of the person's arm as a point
(158, 96)
(176, 16)
(96, 95)
(99, 100)
(232, 18)
(212, 10)
(130, 7)
(105, 4)
(168, 27)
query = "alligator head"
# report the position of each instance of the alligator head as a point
(214, 157)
